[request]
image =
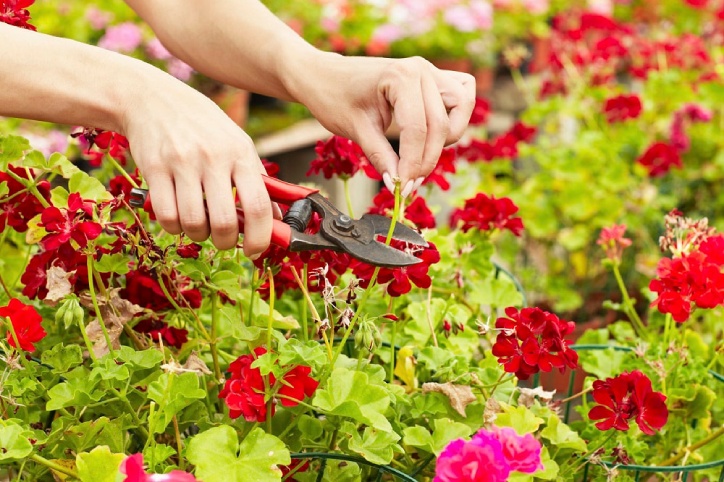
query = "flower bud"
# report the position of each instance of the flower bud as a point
(70, 312)
(367, 336)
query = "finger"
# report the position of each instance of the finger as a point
(410, 116)
(257, 211)
(190, 202)
(378, 150)
(163, 194)
(438, 126)
(222, 211)
(457, 90)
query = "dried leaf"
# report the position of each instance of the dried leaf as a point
(492, 409)
(196, 365)
(57, 283)
(116, 312)
(527, 396)
(460, 395)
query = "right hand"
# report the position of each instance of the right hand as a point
(186, 147)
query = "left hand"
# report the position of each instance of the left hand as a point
(357, 97)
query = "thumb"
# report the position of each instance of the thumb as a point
(380, 153)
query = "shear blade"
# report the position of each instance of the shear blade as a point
(379, 254)
(381, 225)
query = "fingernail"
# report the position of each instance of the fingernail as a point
(408, 189)
(418, 183)
(254, 257)
(387, 179)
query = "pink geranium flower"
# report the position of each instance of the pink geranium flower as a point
(123, 38)
(521, 453)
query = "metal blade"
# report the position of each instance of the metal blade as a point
(379, 254)
(381, 226)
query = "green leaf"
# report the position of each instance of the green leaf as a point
(444, 432)
(694, 400)
(14, 442)
(59, 196)
(141, 359)
(219, 457)
(500, 292)
(418, 327)
(107, 369)
(602, 363)
(36, 159)
(113, 263)
(375, 446)
(173, 393)
(62, 358)
(73, 392)
(98, 465)
(4, 190)
(60, 164)
(297, 352)
(562, 436)
(157, 454)
(350, 394)
(12, 149)
(521, 419)
(88, 187)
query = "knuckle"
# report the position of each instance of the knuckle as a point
(194, 223)
(224, 225)
(257, 206)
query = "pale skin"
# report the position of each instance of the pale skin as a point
(187, 149)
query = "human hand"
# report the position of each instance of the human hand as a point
(357, 97)
(187, 149)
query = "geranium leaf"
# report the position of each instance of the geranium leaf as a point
(173, 393)
(98, 465)
(14, 442)
(562, 436)
(521, 419)
(219, 457)
(444, 432)
(62, 358)
(350, 394)
(88, 187)
(12, 149)
(375, 446)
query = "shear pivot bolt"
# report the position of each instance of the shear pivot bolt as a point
(343, 222)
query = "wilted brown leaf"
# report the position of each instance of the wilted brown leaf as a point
(528, 395)
(57, 283)
(460, 395)
(116, 312)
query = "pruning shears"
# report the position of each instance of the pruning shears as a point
(338, 232)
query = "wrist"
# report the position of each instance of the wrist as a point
(302, 70)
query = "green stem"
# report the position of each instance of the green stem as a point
(121, 171)
(348, 197)
(269, 328)
(251, 296)
(305, 322)
(5, 288)
(370, 286)
(392, 351)
(636, 322)
(212, 341)
(131, 411)
(94, 299)
(199, 325)
(52, 465)
(84, 334)
(25, 263)
(30, 184)
(711, 437)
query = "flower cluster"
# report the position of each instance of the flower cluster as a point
(490, 455)
(341, 157)
(687, 114)
(613, 242)
(109, 142)
(627, 397)
(487, 213)
(244, 391)
(20, 205)
(659, 158)
(531, 340)
(399, 280)
(72, 224)
(25, 322)
(15, 13)
(445, 165)
(504, 146)
(622, 107)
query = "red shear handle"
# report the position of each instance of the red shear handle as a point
(281, 231)
(284, 192)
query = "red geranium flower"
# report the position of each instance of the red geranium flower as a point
(132, 468)
(416, 211)
(296, 385)
(341, 157)
(626, 397)
(297, 466)
(613, 242)
(272, 168)
(531, 340)
(401, 279)
(445, 164)
(143, 288)
(481, 111)
(115, 144)
(622, 107)
(26, 323)
(659, 158)
(191, 250)
(66, 257)
(120, 185)
(73, 223)
(14, 12)
(18, 207)
(476, 150)
(486, 213)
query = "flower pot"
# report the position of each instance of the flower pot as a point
(541, 54)
(458, 65)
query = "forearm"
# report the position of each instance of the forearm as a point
(238, 42)
(58, 80)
